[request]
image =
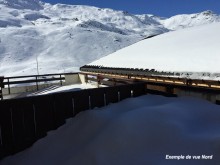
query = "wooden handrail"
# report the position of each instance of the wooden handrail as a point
(139, 75)
(42, 75)
(33, 81)
(17, 80)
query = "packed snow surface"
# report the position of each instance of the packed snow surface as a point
(61, 38)
(136, 131)
(189, 50)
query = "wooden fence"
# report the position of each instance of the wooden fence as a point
(34, 79)
(25, 120)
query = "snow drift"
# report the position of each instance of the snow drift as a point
(139, 131)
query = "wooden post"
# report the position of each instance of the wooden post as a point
(1, 86)
(1, 97)
(170, 90)
(98, 80)
(9, 91)
(37, 83)
(86, 78)
(61, 80)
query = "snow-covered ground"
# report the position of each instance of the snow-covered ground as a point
(193, 49)
(136, 131)
(61, 38)
(56, 89)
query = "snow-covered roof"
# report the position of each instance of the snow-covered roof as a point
(192, 50)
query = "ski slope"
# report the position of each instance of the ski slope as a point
(61, 38)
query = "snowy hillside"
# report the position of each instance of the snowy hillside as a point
(61, 38)
(190, 20)
(189, 50)
(181, 21)
(23, 4)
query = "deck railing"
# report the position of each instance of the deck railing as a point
(25, 120)
(36, 80)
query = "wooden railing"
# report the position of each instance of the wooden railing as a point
(156, 84)
(34, 80)
(25, 120)
(151, 76)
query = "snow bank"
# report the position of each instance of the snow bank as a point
(135, 131)
(190, 50)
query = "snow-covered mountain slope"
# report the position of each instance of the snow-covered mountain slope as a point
(189, 50)
(190, 20)
(151, 19)
(182, 21)
(23, 4)
(61, 38)
(56, 50)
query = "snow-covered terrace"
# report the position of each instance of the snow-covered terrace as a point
(145, 130)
